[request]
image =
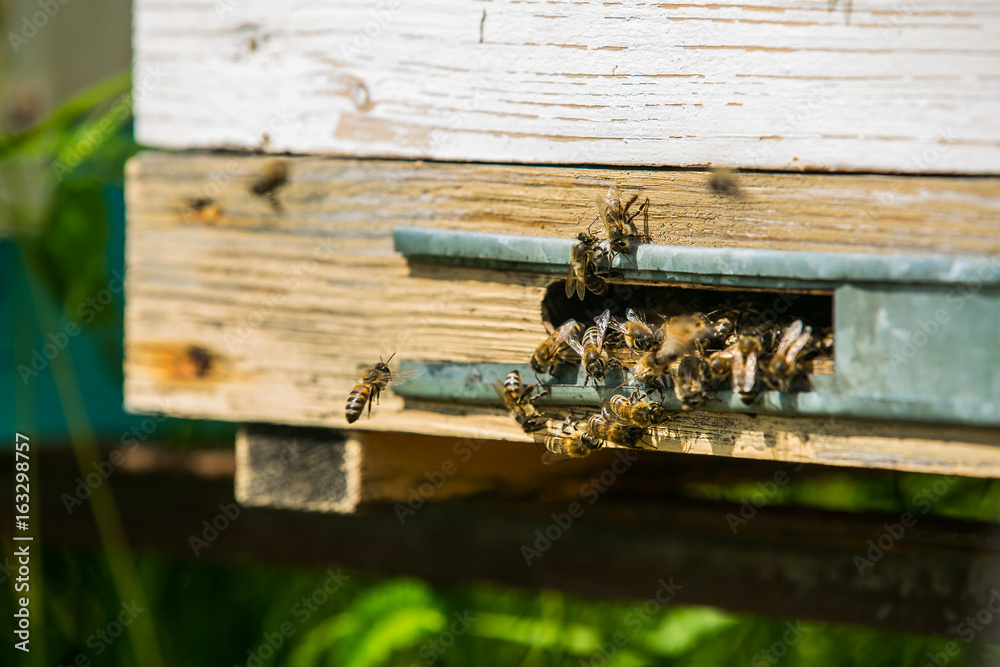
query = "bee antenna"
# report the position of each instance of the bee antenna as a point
(387, 360)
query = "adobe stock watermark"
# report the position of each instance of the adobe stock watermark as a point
(30, 26)
(894, 532)
(302, 610)
(228, 513)
(432, 649)
(381, 17)
(758, 499)
(235, 338)
(591, 490)
(932, 325)
(967, 630)
(105, 637)
(129, 440)
(779, 649)
(56, 342)
(635, 620)
(418, 495)
(70, 158)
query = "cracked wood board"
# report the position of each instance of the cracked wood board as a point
(770, 84)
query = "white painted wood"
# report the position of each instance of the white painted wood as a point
(888, 85)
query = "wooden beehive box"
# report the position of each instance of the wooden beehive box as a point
(861, 129)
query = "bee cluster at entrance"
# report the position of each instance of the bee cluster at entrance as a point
(688, 343)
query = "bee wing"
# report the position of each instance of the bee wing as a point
(502, 393)
(567, 334)
(602, 324)
(633, 316)
(602, 208)
(549, 458)
(749, 373)
(791, 334)
(575, 280)
(796, 348)
(737, 368)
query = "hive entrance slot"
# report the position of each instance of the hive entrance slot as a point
(767, 313)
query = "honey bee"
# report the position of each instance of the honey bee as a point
(723, 182)
(554, 348)
(637, 411)
(678, 337)
(271, 178)
(617, 219)
(373, 381)
(719, 364)
(202, 209)
(687, 377)
(638, 335)
(582, 275)
(604, 427)
(744, 364)
(518, 400)
(565, 446)
(591, 347)
(785, 362)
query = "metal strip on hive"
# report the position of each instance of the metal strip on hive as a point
(918, 336)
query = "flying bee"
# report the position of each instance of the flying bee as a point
(786, 363)
(271, 178)
(723, 182)
(582, 275)
(554, 349)
(591, 348)
(518, 400)
(638, 335)
(637, 411)
(744, 364)
(617, 219)
(604, 427)
(562, 447)
(373, 381)
(687, 376)
(678, 337)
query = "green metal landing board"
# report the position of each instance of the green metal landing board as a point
(917, 336)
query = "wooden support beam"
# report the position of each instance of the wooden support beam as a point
(324, 470)
(780, 84)
(252, 315)
(786, 563)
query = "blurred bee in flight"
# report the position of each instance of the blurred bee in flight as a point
(373, 381)
(271, 178)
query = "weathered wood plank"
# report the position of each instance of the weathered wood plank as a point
(785, 562)
(256, 316)
(775, 84)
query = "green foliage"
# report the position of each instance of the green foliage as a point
(61, 226)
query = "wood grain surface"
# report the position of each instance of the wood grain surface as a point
(256, 315)
(777, 84)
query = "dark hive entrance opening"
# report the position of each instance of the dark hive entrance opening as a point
(765, 314)
(657, 303)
